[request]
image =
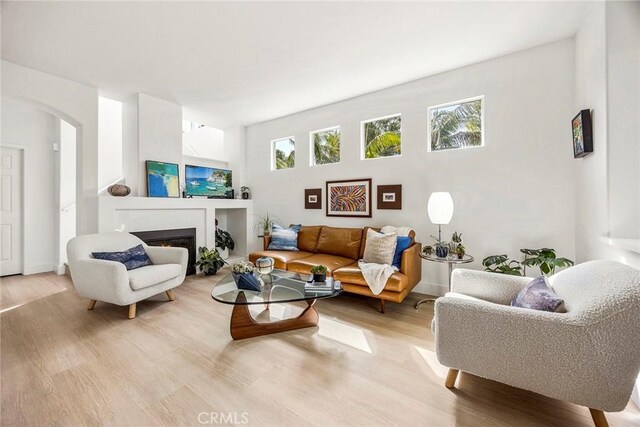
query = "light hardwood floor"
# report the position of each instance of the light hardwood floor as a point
(175, 364)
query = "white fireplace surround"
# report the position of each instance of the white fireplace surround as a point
(147, 214)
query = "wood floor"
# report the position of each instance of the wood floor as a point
(175, 364)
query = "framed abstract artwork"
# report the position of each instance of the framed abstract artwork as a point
(390, 197)
(163, 179)
(349, 198)
(582, 136)
(313, 198)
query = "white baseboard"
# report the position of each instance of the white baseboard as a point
(430, 289)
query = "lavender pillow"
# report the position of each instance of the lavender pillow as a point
(132, 258)
(538, 295)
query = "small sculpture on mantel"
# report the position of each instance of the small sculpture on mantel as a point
(119, 190)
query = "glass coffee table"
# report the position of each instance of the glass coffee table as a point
(277, 287)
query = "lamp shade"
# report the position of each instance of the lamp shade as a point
(440, 207)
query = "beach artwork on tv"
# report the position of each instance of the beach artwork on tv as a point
(163, 179)
(210, 182)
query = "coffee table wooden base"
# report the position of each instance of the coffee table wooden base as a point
(244, 326)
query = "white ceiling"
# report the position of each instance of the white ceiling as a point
(239, 63)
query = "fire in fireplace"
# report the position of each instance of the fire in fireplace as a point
(179, 238)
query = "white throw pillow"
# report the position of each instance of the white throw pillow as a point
(379, 248)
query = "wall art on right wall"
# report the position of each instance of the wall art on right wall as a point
(582, 135)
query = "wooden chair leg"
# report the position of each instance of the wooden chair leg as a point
(599, 419)
(170, 295)
(382, 306)
(450, 382)
(132, 310)
(92, 303)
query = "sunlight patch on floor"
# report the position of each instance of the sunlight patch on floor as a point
(432, 363)
(11, 308)
(345, 334)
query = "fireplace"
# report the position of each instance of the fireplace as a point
(178, 238)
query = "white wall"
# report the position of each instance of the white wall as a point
(109, 141)
(67, 191)
(159, 135)
(76, 104)
(597, 43)
(205, 142)
(517, 191)
(34, 130)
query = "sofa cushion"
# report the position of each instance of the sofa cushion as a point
(404, 242)
(284, 239)
(308, 237)
(343, 242)
(352, 274)
(281, 258)
(150, 275)
(538, 295)
(332, 262)
(379, 248)
(132, 258)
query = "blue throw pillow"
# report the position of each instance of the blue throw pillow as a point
(403, 243)
(132, 258)
(284, 239)
(538, 295)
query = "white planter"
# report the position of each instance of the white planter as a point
(224, 253)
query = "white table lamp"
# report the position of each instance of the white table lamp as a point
(440, 208)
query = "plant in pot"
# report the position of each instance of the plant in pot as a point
(244, 191)
(428, 250)
(210, 261)
(242, 273)
(265, 222)
(460, 250)
(456, 239)
(224, 242)
(442, 248)
(502, 264)
(319, 273)
(545, 259)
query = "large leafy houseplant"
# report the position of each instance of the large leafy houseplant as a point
(210, 261)
(545, 259)
(224, 240)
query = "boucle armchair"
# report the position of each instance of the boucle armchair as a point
(109, 281)
(589, 355)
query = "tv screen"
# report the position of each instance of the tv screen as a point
(210, 182)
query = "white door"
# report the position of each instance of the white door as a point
(10, 211)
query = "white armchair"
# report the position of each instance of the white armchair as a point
(589, 355)
(109, 281)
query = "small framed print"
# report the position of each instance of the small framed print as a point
(313, 198)
(349, 198)
(582, 134)
(390, 197)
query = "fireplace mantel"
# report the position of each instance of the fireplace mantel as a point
(155, 213)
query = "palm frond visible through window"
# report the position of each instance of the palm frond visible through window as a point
(456, 126)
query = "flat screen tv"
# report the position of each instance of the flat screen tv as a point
(210, 182)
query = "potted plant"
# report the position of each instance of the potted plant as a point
(224, 242)
(456, 239)
(545, 259)
(442, 247)
(265, 222)
(502, 264)
(428, 250)
(210, 261)
(242, 273)
(460, 250)
(244, 191)
(319, 273)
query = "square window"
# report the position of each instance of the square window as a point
(456, 125)
(284, 153)
(325, 146)
(381, 137)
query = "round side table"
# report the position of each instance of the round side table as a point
(450, 261)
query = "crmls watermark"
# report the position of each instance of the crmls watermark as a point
(214, 418)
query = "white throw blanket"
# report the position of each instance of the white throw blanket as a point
(376, 275)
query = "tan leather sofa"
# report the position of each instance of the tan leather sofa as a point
(339, 249)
